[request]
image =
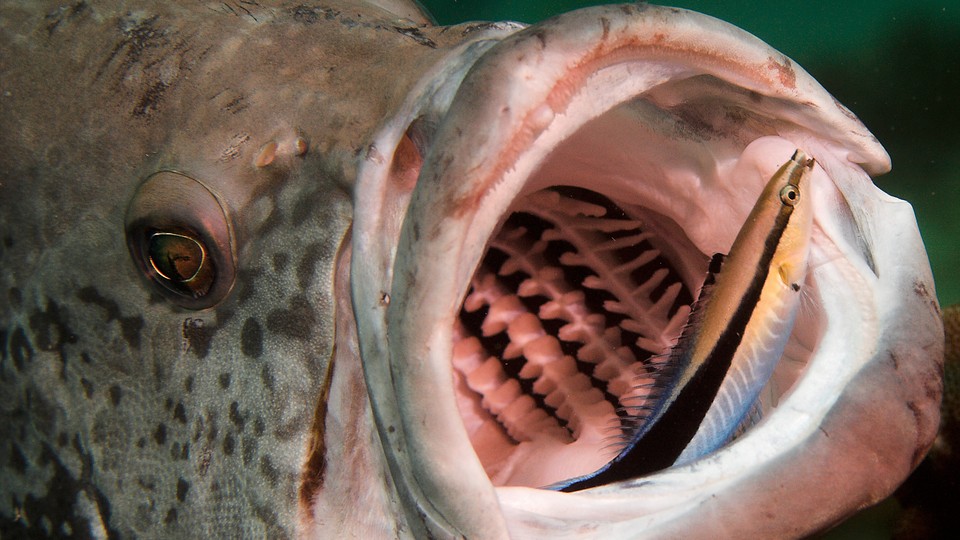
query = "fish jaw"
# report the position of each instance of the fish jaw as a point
(684, 116)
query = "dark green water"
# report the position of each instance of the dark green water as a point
(895, 63)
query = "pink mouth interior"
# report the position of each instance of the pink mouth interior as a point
(567, 314)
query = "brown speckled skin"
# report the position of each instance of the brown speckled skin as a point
(122, 413)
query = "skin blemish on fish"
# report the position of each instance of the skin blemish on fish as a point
(233, 151)
(198, 336)
(149, 101)
(785, 72)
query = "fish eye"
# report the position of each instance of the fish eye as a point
(180, 238)
(181, 263)
(790, 195)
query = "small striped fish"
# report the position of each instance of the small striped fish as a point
(736, 335)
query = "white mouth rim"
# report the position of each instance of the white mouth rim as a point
(454, 495)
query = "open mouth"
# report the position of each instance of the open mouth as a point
(559, 344)
(564, 211)
(559, 339)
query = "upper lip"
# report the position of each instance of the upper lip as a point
(532, 92)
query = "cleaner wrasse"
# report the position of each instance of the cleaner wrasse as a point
(738, 329)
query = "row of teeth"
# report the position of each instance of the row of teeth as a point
(581, 411)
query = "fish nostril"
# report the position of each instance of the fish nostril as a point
(565, 318)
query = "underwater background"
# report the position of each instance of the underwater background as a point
(896, 65)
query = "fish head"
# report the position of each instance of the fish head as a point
(611, 123)
(255, 255)
(177, 197)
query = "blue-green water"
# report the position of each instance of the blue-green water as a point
(895, 63)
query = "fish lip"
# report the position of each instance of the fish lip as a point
(467, 182)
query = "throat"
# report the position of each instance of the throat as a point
(560, 340)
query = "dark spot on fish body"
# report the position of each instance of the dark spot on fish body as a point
(51, 332)
(248, 448)
(87, 387)
(182, 488)
(229, 444)
(171, 517)
(182, 453)
(235, 416)
(180, 413)
(21, 349)
(312, 255)
(148, 483)
(296, 321)
(160, 434)
(280, 261)
(269, 471)
(116, 393)
(224, 381)
(198, 336)
(251, 338)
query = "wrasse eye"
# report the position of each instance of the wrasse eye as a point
(790, 195)
(180, 237)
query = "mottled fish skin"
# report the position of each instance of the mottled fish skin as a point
(123, 413)
(296, 131)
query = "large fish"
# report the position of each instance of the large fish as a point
(326, 270)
